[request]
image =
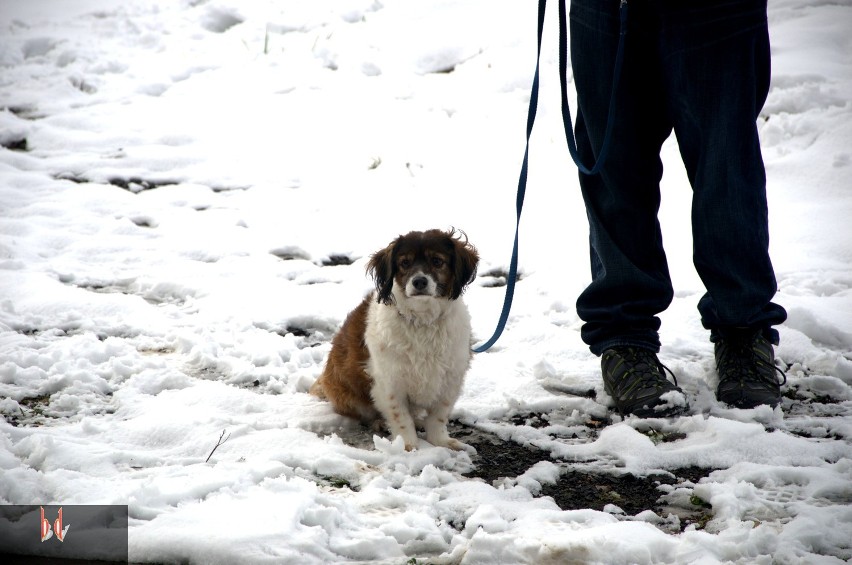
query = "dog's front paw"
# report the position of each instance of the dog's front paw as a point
(409, 440)
(456, 445)
(393, 445)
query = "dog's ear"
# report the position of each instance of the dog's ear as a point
(381, 268)
(465, 261)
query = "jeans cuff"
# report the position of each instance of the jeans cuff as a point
(632, 341)
(770, 333)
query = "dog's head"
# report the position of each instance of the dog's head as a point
(434, 263)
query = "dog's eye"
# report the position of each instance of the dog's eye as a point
(405, 263)
(437, 262)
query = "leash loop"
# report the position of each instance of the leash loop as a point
(563, 85)
(569, 135)
(522, 187)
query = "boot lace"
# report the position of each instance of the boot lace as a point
(742, 359)
(643, 369)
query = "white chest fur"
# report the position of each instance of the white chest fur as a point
(420, 351)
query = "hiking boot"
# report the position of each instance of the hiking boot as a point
(748, 376)
(636, 380)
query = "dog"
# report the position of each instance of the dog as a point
(402, 354)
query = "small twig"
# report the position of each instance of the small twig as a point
(266, 40)
(218, 443)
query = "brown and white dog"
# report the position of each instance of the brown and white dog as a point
(402, 354)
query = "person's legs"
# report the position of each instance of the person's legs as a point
(717, 66)
(630, 279)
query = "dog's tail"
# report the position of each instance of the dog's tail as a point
(317, 390)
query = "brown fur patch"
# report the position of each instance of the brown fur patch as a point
(344, 382)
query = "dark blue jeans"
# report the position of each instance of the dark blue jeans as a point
(700, 68)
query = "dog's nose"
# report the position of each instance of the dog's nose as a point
(420, 283)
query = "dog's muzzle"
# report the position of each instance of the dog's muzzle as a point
(420, 285)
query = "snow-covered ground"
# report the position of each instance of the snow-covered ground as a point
(189, 191)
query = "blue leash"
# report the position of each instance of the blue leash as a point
(569, 134)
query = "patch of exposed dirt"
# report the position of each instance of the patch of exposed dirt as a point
(578, 488)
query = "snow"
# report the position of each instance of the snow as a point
(178, 184)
